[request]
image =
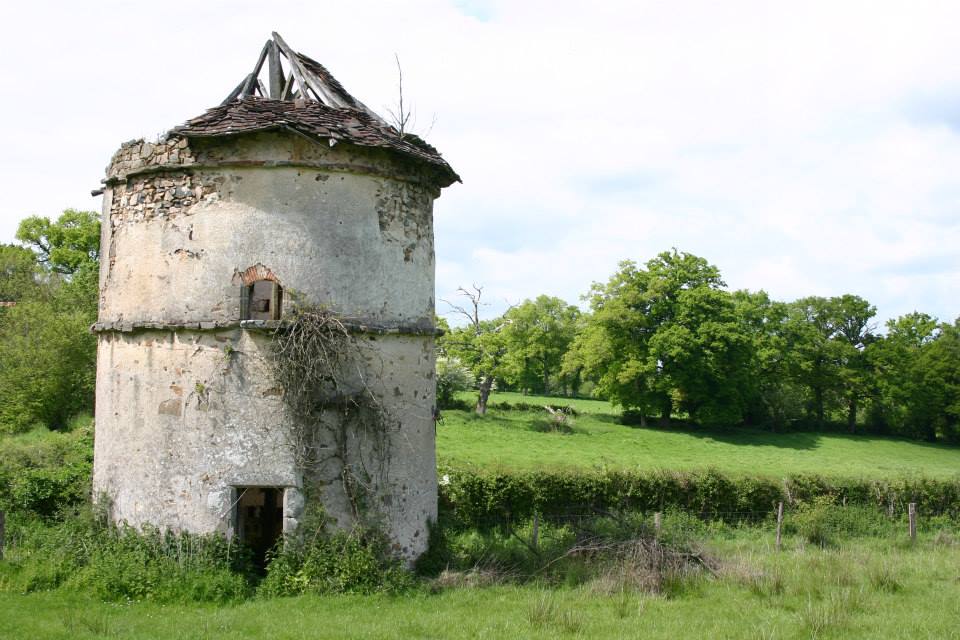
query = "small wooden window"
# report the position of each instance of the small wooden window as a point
(262, 300)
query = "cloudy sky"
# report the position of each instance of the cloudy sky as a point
(804, 148)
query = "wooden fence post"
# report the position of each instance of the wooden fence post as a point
(912, 512)
(657, 521)
(779, 523)
(3, 527)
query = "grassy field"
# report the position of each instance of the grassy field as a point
(509, 441)
(869, 588)
(872, 584)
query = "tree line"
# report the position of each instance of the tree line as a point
(667, 341)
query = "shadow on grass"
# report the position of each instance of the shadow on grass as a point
(745, 437)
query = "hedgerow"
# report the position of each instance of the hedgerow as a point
(481, 500)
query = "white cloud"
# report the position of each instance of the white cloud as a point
(780, 141)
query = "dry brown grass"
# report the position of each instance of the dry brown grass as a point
(467, 579)
(647, 566)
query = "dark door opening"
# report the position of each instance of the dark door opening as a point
(260, 520)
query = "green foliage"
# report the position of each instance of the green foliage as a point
(341, 562)
(47, 363)
(916, 379)
(823, 522)
(47, 353)
(121, 564)
(536, 334)
(665, 337)
(42, 473)
(19, 273)
(826, 338)
(66, 245)
(452, 377)
(483, 500)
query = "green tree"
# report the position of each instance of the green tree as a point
(666, 335)
(772, 398)
(854, 332)
(47, 353)
(938, 391)
(536, 334)
(478, 344)
(826, 342)
(917, 373)
(47, 365)
(814, 361)
(19, 274)
(895, 361)
(66, 245)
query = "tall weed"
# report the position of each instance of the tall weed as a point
(120, 563)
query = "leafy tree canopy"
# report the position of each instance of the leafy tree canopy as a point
(19, 274)
(66, 245)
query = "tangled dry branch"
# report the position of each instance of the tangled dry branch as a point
(335, 415)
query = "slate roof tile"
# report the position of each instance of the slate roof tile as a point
(316, 120)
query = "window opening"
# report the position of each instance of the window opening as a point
(262, 300)
(259, 518)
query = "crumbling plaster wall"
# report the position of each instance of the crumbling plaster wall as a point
(329, 222)
(184, 417)
(186, 405)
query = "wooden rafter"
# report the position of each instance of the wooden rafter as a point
(299, 82)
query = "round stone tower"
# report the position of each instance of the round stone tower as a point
(290, 195)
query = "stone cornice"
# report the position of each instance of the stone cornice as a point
(263, 326)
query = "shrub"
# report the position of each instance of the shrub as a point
(487, 499)
(452, 376)
(119, 563)
(823, 522)
(42, 473)
(342, 562)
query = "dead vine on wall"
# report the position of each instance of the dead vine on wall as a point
(339, 423)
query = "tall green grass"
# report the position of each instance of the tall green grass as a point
(80, 554)
(875, 586)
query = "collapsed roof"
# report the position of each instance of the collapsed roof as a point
(308, 100)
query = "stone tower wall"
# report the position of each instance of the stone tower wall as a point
(187, 407)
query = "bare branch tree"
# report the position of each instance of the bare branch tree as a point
(487, 355)
(401, 116)
(473, 313)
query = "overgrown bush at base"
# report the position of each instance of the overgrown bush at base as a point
(124, 564)
(342, 562)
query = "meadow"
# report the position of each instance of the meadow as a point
(510, 440)
(864, 588)
(843, 572)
